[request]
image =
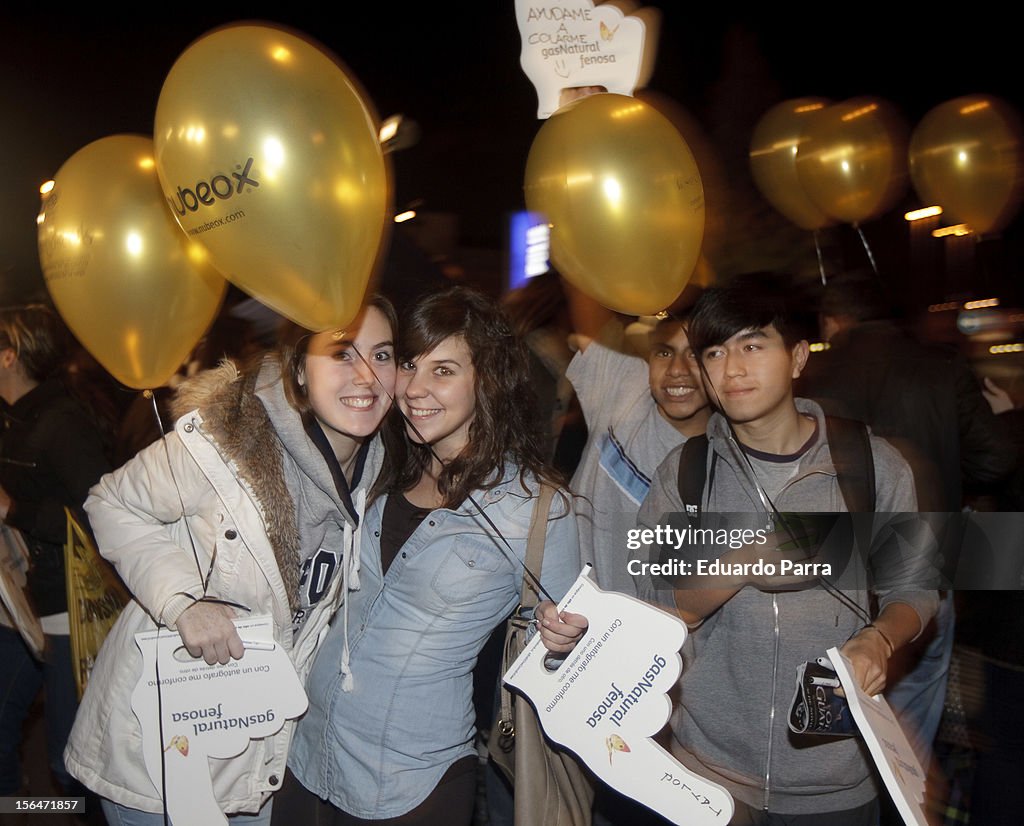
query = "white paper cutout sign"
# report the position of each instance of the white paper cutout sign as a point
(608, 699)
(210, 711)
(15, 610)
(893, 755)
(572, 43)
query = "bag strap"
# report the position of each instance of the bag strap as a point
(693, 462)
(535, 544)
(527, 600)
(850, 446)
(848, 442)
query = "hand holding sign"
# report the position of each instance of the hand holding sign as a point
(608, 698)
(208, 631)
(893, 755)
(574, 45)
(209, 711)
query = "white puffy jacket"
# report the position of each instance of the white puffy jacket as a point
(222, 468)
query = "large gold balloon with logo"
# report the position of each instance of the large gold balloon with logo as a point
(130, 287)
(623, 195)
(773, 149)
(852, 159)
(269, 157)
(966, 156)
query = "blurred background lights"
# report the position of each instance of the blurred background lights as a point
(398, 132)
(924, 212)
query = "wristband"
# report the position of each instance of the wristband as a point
(883, 635)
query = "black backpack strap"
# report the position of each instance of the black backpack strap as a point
(850, 446)
(693, 462)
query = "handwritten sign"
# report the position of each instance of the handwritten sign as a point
(608, 699)
(893, 755)
(209, 711)
(573, 44)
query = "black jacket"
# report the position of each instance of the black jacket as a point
(924, 399)
(51, 453)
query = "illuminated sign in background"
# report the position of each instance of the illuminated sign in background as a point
(529, 245)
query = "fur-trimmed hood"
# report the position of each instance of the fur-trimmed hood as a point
(238, 423)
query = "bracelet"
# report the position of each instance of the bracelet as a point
(883, 635)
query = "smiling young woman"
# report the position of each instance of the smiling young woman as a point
(394, 740)
(255, 499)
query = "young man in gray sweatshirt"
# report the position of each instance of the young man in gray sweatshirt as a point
(768, 453)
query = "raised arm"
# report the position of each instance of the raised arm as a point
(590, 320)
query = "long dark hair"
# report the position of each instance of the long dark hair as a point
(503, 427)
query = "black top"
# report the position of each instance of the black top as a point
(401, 517)
(51, 453)
(922, 398)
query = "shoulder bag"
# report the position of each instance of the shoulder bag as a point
(550, 786)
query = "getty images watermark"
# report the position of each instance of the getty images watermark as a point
(941, 551)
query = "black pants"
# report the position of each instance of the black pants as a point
(449, 804)
(866, 815)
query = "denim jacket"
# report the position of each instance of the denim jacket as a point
(376, 751)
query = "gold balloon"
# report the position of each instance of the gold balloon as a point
(135, 294)
(852, 160)
(965, 156)
(623, 195)
(270, 158)
(713, 179)
(773, 150)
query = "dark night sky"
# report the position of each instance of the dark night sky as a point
(66, 80)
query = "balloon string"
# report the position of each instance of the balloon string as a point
(160, 727)
(156, 663)
(867, 248)
(205, 580)
(821, 263)
(510, 554)
(167, 453)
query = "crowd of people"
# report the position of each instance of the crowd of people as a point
(371, 488)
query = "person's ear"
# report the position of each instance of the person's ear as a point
(8, 357)
(801, 351)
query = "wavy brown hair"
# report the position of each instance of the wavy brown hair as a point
(503, 427)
